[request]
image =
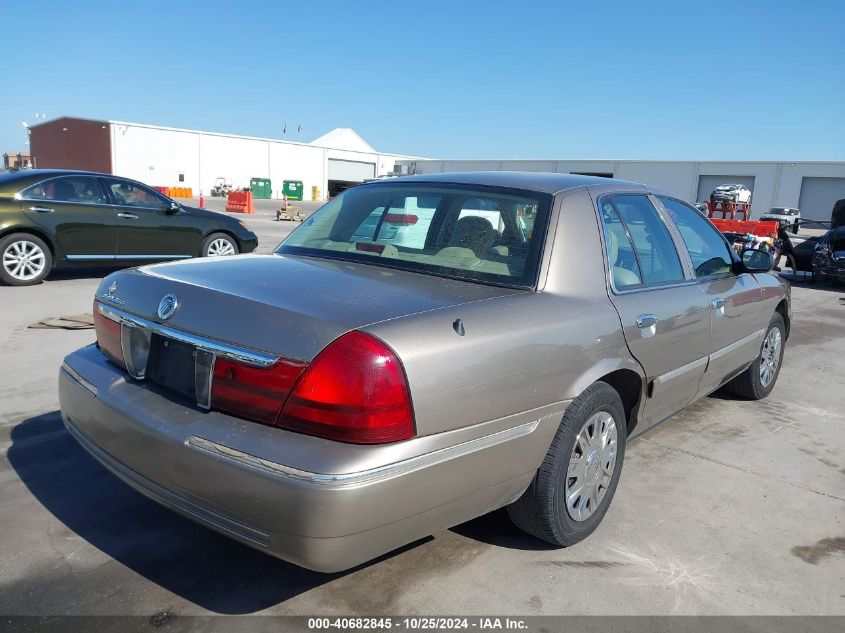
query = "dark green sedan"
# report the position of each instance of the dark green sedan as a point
(53, 218)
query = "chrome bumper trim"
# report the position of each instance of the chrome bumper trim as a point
(218, 348)
(70, 371)
(342, 480)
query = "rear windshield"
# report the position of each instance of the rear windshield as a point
(490, 235)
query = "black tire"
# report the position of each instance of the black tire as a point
(215, 239)
(542, 510)
(14, 246)
(749, 383)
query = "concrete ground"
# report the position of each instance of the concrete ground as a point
(731, 507)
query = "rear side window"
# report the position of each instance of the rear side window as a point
(72, 189)
(640, 247)
(708, 251)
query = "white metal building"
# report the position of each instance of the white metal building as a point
(172, 157)
(190, 158)
(813, 187)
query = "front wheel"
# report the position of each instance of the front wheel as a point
(572, 489)
(757, 382)
(25, 260)
(219, 244)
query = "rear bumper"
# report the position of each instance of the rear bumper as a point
(320, 504)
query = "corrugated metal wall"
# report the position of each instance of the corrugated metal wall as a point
(775, 184)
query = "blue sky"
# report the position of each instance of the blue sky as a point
(460, 79)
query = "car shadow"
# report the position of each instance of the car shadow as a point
(185, 558)
(84, 272)
(497, 529)
(723, 393)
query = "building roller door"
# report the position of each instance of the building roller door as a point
(350, 170)
(818, 195)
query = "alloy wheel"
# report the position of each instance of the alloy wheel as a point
(220, 246)
(770, 356)
(591, 465)
(24, 260)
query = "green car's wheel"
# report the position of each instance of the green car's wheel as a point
(219, 244)
(25, 260)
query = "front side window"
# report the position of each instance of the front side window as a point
(455, 230)
(707, 249)
(131, 194)
(71, 189)
(638, 242)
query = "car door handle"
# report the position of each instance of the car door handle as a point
(647, 324)
(719, 306)
(41, 209)
(130, 216)
(646, 321)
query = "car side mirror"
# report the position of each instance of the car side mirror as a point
(173, 209)
(756, 261)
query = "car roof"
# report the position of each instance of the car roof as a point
(13, 181)
(543, 182)
(25, 174)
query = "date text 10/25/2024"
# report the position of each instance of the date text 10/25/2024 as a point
(417, 623)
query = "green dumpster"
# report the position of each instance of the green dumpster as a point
(292, 189)
(261, 188)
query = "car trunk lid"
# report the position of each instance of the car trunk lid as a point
(291, 306)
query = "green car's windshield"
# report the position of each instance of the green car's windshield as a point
(491, 235)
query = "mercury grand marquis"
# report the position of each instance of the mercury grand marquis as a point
(419, 352)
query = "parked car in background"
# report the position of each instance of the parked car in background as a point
(837, 214)
(799, 256)
(56, 218)
(731, 193)
(829, 256)
(785, 216)
(371, 390)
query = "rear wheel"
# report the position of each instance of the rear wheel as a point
(573, 487)
(25, 260)
(757, 382)
(219, 244)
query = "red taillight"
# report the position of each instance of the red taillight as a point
(353, 391)
(108, 337)
(401, 218)
(253, 392)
